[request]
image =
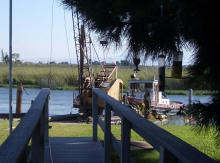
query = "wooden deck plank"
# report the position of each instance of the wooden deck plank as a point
(76, 150)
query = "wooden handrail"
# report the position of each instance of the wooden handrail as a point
(33, 125)
(169, 146)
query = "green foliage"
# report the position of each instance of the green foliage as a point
(5, 57)
(65, 77)
(204, 140)
(140, 22)
(186, 92)
(38, 75)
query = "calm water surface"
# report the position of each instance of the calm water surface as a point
(61, 101)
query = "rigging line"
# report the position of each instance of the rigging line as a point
(74, 34)
(95, 51)
(51, 44)
(107, 52)
(67, 41)
(102, 65)
(75, 40)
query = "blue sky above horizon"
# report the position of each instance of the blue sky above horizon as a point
(32, 33)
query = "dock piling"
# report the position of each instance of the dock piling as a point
(190, 96)
(19, 98)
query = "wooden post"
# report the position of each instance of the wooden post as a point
(107, 136)
(125, 141)
(190, 97)
(37, 148)
(161, 79)
(161, 72)
(45, 121)
(19, 98)
(94, 115)
(166, 156)
(40, 136)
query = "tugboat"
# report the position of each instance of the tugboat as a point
(158, 101)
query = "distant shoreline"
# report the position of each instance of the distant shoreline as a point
(64, 77)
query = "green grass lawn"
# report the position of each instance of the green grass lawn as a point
(203, 141)
(186, 92)
(4, 129)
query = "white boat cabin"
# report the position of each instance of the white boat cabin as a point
(137, 88)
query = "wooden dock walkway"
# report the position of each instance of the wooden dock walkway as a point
(76, 150)
(43, 149)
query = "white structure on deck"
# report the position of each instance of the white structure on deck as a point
(137, 89)
(162, 100)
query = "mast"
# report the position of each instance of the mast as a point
(10, 66)
(82, 55)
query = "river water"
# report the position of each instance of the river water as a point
(61, 101)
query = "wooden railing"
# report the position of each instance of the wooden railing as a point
(171, 148)
(34, 127)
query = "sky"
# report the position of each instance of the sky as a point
(32, 22)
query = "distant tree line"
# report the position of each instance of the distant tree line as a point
(119, 63)
(5, 57)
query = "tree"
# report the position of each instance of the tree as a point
(5, 57)
(152, 30)
(125, 63)
(15, 57)
(64, 63)
(96, 63)
(2, 52)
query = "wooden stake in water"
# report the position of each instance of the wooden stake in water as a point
(190, 97)
(19, 98)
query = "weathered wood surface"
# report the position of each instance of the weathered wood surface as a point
(47, 154)
(15, 115)
(19, 98)
(65, 117)
(156, 136)
(12, 149)
(76, 150)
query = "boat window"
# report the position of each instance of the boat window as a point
(148, 85)
(141, 87)
(164, 95)
(134, 86)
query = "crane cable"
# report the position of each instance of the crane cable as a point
(67, 40)
(51, 52)
(95, 52)
(74, 34)
(51, 45)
